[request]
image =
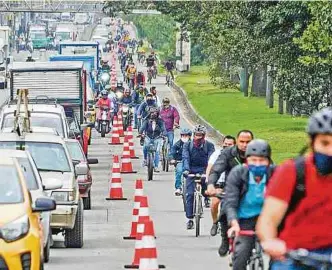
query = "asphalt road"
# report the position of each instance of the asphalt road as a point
(108, 221)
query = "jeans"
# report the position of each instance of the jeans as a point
(243, 245)
(178, 175)
(170, 136)
(190, 188)
(289, 264)
(135, 115)
(157, 145)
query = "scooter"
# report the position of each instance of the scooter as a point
(103, 121)
(127, 115)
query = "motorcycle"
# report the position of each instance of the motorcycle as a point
(104, 117)
(127, 115)
(104, 78)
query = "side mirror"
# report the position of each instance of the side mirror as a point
(81, 169)
(44, 204)
(52, 183)
(93, 161)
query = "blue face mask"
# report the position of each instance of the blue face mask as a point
(258, 171)
(323, 163)
(150, 102)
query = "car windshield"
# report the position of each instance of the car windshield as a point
(47, 156)
(38, 35)
(37, 121)
(28, 173)
(10, 187)
(63, 35)
(75, 151)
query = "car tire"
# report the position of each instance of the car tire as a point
(74, 237)
(87, 202)
(47, 248)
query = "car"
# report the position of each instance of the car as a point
(37, 189)
(84, 181)
(53, 160)
(21, 241)
(42, 115)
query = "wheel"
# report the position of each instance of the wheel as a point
(48, 247)
(198, 214)
(74, 237)
(87, 202)
(103, 131)
(166, 157)
(150, 167)
(184, 191)
(164, 160)
(256, 264)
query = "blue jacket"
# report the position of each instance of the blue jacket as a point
(195, 160)
(143, 109)
(146, 128)
(126, 100)
(176, 151)
(137, 98)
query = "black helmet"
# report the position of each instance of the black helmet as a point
(320, 122)
(199, 129)
(258, 148)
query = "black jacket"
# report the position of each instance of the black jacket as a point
(176, 151)
(227, 159)
(236, 187)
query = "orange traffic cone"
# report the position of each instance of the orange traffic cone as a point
(131, 143)
(115, 139)
(116, 192)
(137, 200)
(148, 251)
(126, 166)
(120, 125)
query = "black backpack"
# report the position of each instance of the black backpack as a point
(299, 191)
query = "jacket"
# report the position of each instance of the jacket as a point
(176, 151)
(138, 98)
(170, 117)
(143, 109)
(227, 159)
(196, 160)
(126, 100)
(146, 128)
(236, 187)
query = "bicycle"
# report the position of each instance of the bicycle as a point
(168, 78)
(150, 75)
(198, 200)
(307, 258)
(183, 185)
(255, 261)
(165, 152)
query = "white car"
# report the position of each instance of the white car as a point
(37, 188)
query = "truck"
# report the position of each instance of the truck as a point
(38, 36)
(65, 33)
(4, 55)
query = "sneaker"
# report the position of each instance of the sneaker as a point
(206, 203)
(156, 170)
(190, 224)
(224, 247)
(178, 192)
(214, 229)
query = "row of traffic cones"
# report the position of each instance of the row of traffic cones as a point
(118, 131)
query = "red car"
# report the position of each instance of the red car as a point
(84, 181)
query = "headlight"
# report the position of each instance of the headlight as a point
(125, 109)
(63, 196)
(105, 77)
(15, 229)
(119, 94)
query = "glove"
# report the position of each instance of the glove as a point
(185, 173)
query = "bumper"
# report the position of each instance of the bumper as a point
(26, 251)
(64, 216)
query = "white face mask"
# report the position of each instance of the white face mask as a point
(183, 139)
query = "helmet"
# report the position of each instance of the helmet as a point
(320, 122)
(199, 129)
(107, 87)
(149, 95)
(104, 93)
(185, 131)
(166, 100)
(259, 148)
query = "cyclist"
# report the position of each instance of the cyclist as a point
(153, 91)
(228, 159)
(150, 61)
(140, 78)
(296, 212)
(169, 65)
(138, 98)
(153, 128)
(171, 118)
(228, 141)
(195, 158)
(176, 155)
(244, 199)
(131, 75)
(143, 109)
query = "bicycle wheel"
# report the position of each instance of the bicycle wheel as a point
(166, 158)
(163, 158)
(184, 191)
(150, 167)
(198, 208)
(256, 263)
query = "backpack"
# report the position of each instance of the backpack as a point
(299, 191)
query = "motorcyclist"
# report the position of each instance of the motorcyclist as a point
(138, 98)
(131, 75)
(140, 78)
(153, 91)
(195, 156)
(103, 102)
(126, 98)
(104, 65)
(152, 128)
(176, 155)
(171, 118)
(143, 109)
(245, 191)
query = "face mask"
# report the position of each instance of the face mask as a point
(323, 163)
(154, 116)
(184, 139)
(258, 171)
(150, 102)
(166, 106)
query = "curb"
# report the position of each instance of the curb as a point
(196, 117)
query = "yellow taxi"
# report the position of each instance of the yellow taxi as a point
(21, 239)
